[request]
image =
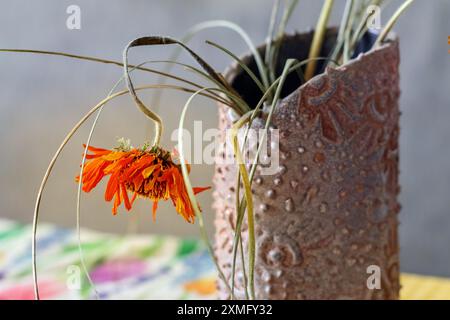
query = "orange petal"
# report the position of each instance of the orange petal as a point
(117, 202)
(148, 171)
(137, 182)
(125, 197)
(112, 156)
(137, 166)
(133, 198)
(93, 156)
(113, 186)
(200, 189)
(94, 149)
(155, 206)
(148, 186)
(93, 173)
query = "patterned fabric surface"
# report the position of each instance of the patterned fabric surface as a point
(127, 267)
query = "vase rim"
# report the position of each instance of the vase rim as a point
(234, 69)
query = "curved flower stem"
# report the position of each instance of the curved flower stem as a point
(156, 40)
(80, 183)
(208, 25)
(141, 106)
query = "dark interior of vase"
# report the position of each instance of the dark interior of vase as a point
(294, 46)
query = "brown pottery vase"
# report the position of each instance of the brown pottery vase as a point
(328, 217)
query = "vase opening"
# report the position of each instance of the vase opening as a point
(293, 46)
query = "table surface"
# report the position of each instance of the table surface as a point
(127, 267)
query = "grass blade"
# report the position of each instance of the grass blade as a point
(342, 30)
(270, 33)
(392, 22)
(248, 178)
(94, 59)
(249, 199)
(190, 190)
(80, 183)
(241, 64)
(273, 56)
(201, 27)
(319, 35)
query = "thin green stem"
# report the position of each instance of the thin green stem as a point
(249, 42)
(240, 210)
(190, 191)
(342, 30)
(188, 67)
(319, 35)
(105, 61)
(241, 64)
(270, 36)
(44, 182)
(362, 27)
(244, 273)
(249, 198)
(120, 64)
(234, 98)
(238, 190)
(80, 183)
(203, 26)
(247, 180)
(280, 36)
(141, 106)
(392, 22)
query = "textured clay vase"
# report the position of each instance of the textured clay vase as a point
(330, 212)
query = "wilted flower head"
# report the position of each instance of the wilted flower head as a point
(145, 173)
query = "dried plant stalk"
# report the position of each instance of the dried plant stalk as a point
(319, 34)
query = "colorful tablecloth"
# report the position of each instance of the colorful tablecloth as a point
(127, 267)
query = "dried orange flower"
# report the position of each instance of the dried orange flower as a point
(149, 174)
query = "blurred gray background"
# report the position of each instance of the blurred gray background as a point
(41, 98)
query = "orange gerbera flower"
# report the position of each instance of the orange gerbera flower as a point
(149, 174)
